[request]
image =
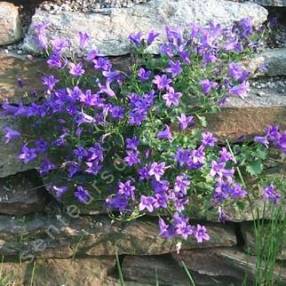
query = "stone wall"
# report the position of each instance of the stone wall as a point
(61, 244)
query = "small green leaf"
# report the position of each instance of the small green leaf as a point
(255, 168)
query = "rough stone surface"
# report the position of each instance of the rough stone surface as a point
(145, 269)
(272, 61)
(208, 262)
(10, 26)
(238, 123)
(29, 70)
(9, 162)
(248, 233)
(15, 67)
(272, 3)
(56, 272)
(21, 194)
(43, 236)
(110, 28)
(238, 260)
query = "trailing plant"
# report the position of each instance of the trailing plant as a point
(139, 138)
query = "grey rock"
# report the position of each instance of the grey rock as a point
(146, 269)
(248, 232)
(110, 28)
(246, 263)
(43, 236)
(272, 61)
(22, 194)
(10, 26)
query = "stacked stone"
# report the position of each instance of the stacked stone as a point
(79, 245)
(88, 5)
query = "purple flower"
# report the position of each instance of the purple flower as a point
(185, 121)
(165, 134)
(136, 38)
(132, 143)
(82, 195)
(207, 85)
(40, 30)
(201, 234)
(117, 112)
(11, 134)
(240, 90)
(117, 202)
(157, 170)
(41, 145)
(27, 154)
(172, 97)
(76, 69)
(237, 72)
(93, 167)
(262, 140)
(151, 37)
(144, 74)
(182, 226)
(182, 184)
(46, 166)
(127, 189)
(83, 39)
(49, 81)
(132, 158)
(165, 229)
(246, 27)
(143, 173)
(162, 82)
(174, 68)
(208, 139)
(225, 155)
(102, 63)
(147, 202)
(59, 44)
(59, 191)
(271, 194)
(55, 61)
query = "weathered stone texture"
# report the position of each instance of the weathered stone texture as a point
(22, 194)
(110, 28)
(43, 236)
(10, 26)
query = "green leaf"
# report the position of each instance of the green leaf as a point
(254, 168)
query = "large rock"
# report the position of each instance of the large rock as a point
(56, 272)
(208, 263)
(22, 194)
(271, 62)
(16, 70)
(10, 26)
(110, 28)
(246, 263)
(151, 269)
(273, 3)
(248, 233)
(43, 236)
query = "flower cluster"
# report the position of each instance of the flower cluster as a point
(273, 135)
(149, 118)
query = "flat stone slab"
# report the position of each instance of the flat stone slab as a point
(10, 26)
(272, 61)
(110, 28)
(55, 272)
(15, 67)
(43, 236)
(236, 123)
(248, 232)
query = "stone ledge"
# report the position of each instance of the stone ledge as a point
(110, 28)
(43, 236)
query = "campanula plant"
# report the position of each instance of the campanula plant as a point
(149, 118)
